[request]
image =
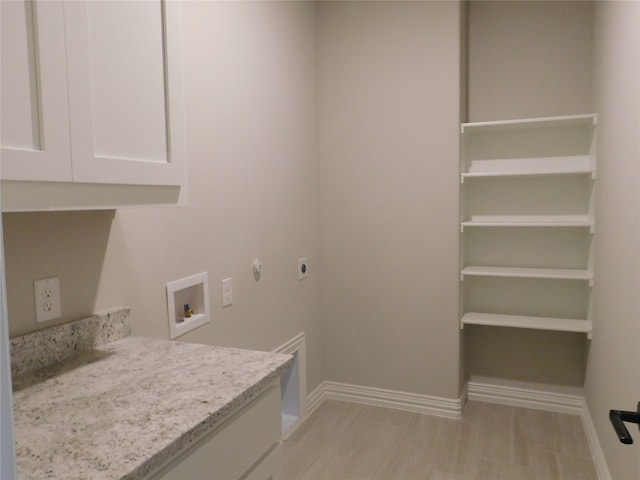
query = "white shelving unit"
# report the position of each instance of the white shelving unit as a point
(523, 321)
(528, 221)
(532, 181)
(517, 272)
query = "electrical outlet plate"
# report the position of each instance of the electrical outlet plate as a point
(46, 293)
(303, 268)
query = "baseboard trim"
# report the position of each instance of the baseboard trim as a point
(439, 406)
(315, 398)
(594, 444)
(524, 397)
(449, 408)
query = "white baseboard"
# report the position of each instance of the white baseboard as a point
(594, 444)
(452, 408)
(315, 399)
(524, 397)
(439, 406)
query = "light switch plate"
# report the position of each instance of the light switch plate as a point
(227, 292)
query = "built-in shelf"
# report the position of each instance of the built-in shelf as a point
(518, 272)
(537, 173)
(530, 147)
(584, 120)
(528, 221)
(526, 167)
(521, 321)
(532, 173)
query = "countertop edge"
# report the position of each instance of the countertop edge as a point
(200, 423)
(193, 437)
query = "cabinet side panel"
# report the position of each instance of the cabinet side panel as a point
(234, 448)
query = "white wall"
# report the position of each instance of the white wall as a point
(528, 59)
(613, 368)
(253, 192)
(389, 113)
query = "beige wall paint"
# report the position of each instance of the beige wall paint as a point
(389, 109)
(613, 378)
(388, 157)
(253, 193)
(528, 59)
(69, 245)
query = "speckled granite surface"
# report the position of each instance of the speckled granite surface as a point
(122, 409)
(37, 350)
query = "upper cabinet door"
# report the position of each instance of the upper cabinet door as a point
(34, 103)
(126, 105)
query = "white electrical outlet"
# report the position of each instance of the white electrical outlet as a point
(46, 294)
(303, 268)
(227, 292)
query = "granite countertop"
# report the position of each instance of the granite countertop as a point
(122, 409)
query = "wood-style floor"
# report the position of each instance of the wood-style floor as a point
(347, 441)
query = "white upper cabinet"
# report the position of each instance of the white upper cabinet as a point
(91, 95)
(126, 105)
(35, 112)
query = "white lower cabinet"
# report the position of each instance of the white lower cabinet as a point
(246, 446)
(269, 468)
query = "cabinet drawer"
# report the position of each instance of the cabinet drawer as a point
(233, 448)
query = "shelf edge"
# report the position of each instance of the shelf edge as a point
(533, 121)
(527, 322)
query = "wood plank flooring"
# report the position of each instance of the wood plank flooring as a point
(347, 441)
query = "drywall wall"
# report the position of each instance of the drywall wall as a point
(613, 379)
(528, 59)
(389, 113)
(253, 193)
(69, 245)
